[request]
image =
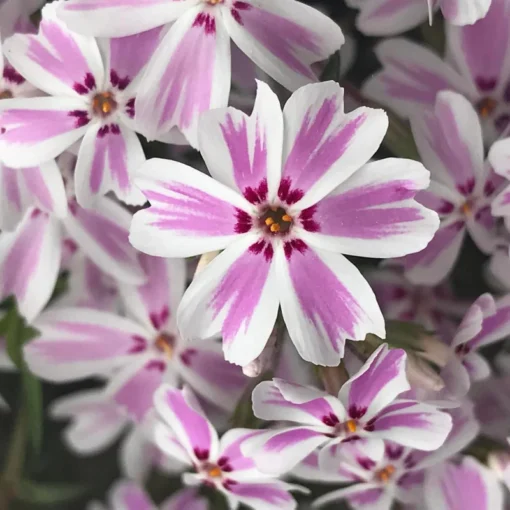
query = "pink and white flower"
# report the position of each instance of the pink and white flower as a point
(390, 17)
(91, 99)
(379, 477)
(485, 322)
(144, 351)
(478, 66)
(127, 495)
(367, 407)
(467, 484)
(293, 192)
(463, 186)
(188, 436)
(190, 71)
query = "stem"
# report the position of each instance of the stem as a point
(13, 469)
(333, 378)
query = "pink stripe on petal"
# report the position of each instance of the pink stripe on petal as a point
(319, 144)
(191, 210)
(270, 496)
(249, 271)
(37, 186)
(288, 438)
(128, 496)
(65, 60)
(10, 185)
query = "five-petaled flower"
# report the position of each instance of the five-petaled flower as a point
(292, 193)
(367, 408)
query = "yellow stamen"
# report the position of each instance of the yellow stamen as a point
(351, 426)
(486, 106)
(269, 221)
(386, 473)
(275, 227)
(287, 218)
(6, 94)
(163, 345)
(214, 472)
(466, 208)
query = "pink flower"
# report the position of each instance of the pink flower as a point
(292, 193)
(463, 186)
(478, 67)
(485, 322)
(190, 71)
(390, 17)
(367, 407)
(91, 99)
(127, 495)
(380, 476)
(189, 437)
(139, 353)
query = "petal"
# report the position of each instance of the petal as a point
(154, 303)
(431, 265)
(108, 158)
(456, 378)
(323, 145)
(278, 451)
(324, 301)
(35, 130)
(183, 415)
(202, 366)
(30, 261)
(487, 70)
(75, 343)
(411, 77)
(368, 496)
(242, 468)
(412, 424)
(389, 17)
(310, 471)
(472, 322)
(450, 142)
(464, 13)
(56, 60)
(190, 213)
(496, 326)
(245, 153)
(188, 75)
(102, 234)
(133, 388)
(373, 213)
(128, 56)
(126, 495)
(270, 403)
(465, 485)
(377, 384)
(283, 38)
(185, 498)
(235, 295)
(118, 18)
(263, 496)
(499, 157)
(477, 366)
(169, 444)
(96, 422)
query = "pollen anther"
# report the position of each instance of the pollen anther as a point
(386, 473)
(214, 472)
(269, 221)
(275, 227)
(351, 426)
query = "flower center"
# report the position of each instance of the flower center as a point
(466, 208)
(104, 104)
(6, 94)
(276, 220)
(214, 472)
(350, 426)
(165, 344)
(214, 2)
(385, 474)
(486, 106)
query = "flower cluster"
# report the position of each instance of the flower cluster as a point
(203, 234)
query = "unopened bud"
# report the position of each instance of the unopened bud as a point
(420, 373)
(265, 360)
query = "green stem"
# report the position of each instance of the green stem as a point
(13, 469)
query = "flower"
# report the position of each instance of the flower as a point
(127, 495)
(31, 255)
(138, 353)
(190, 71)
(485, 322)
(367, 407)
(91, 99)
(292, 193)
(390, 17)
(477, 67)
(188, 436)
(463, 186)
(378, 477)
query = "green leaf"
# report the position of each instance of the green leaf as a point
(38, 493)
(331, 70)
